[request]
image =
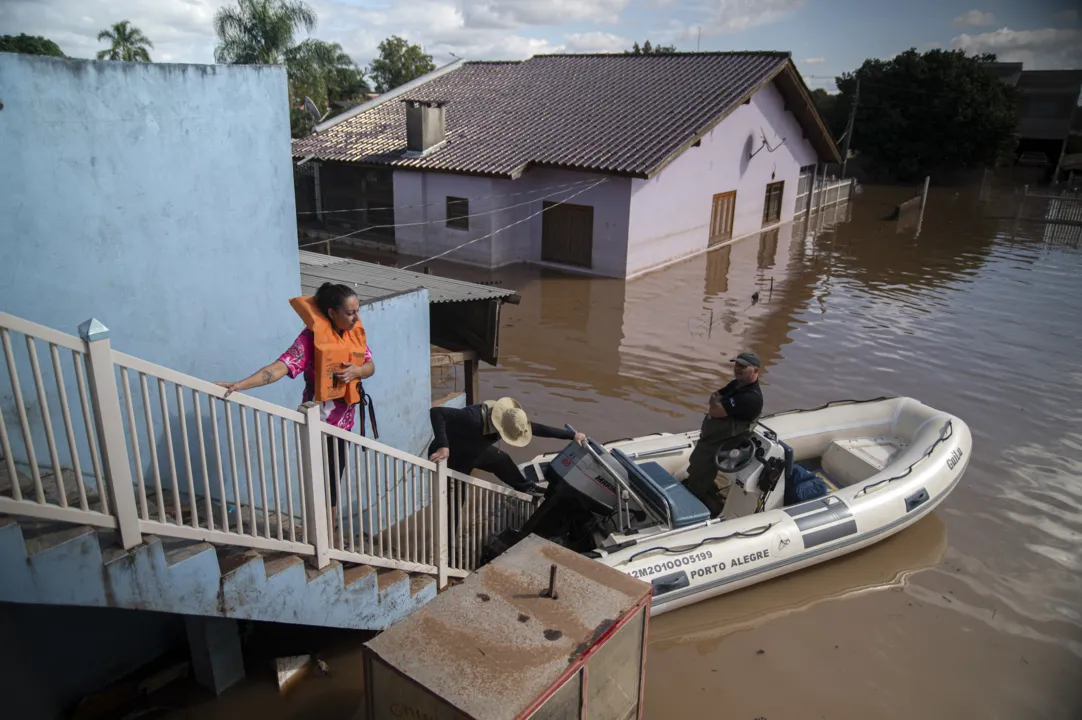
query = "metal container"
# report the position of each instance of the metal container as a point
(499, 646)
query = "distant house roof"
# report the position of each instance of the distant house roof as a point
(372, 281)
(617, 114)
(1008, 72)
(1048, 102)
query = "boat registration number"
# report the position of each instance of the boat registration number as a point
(674, 564)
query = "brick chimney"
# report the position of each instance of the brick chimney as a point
(424, 125)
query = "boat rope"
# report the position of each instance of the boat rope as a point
(945, 434)
(716, 538)
(832, 403)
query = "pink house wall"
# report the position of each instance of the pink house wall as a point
(670, 213)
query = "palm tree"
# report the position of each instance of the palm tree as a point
(129, 43)
(260, 32)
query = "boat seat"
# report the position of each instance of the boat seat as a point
(663, 490)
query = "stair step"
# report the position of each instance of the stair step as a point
(43, 536)
(387, 578)
(275, 563)
(420, 582)
(178, 552)
(232, 559)
(314, 574)
(356, 573)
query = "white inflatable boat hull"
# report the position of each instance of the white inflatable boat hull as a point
(892, 462)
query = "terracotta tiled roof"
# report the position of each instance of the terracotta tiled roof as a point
(623, 114)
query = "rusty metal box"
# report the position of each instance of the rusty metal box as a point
(498, 647)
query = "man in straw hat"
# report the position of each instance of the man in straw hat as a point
(466, 438)
(732, 411)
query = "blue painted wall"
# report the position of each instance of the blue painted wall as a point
(398, 331)
(157, 198)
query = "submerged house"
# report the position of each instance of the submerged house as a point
(610, 164)
(1048, 112)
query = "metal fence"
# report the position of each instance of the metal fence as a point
(1060, 205)
(101, 438)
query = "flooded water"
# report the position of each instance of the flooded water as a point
(976, 611)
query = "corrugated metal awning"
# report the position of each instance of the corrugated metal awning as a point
(372, 281)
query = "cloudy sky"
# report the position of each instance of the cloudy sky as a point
(826, 37)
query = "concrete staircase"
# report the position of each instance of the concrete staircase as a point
(65, 564)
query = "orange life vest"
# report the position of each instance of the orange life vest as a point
(332, 351)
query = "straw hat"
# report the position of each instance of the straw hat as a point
(510, 421)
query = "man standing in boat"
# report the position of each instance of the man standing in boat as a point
(466, 438)
(732, 411)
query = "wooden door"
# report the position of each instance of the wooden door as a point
(567, 234)
(721, 217)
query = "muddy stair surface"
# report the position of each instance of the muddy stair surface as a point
(65, 564)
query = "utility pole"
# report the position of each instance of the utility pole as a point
(849, 128)
(698, 38)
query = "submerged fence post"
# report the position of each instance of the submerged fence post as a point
(114, 451)
(923, 202)
(1021, 202)
(442, 524)
(312, 486)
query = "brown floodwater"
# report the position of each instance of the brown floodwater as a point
(974, 612)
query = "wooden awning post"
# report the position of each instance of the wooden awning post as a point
(473, 377)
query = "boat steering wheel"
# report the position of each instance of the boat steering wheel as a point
(735, 455)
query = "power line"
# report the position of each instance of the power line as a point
(505, 227)
(425, 222)
(431, 204)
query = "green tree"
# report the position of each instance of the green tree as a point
(399, 62)
(128, 43)
(260, 32)
(29, 45)
(323, 72)
(648, 49)
(918, 113)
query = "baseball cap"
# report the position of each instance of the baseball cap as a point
(748, 358)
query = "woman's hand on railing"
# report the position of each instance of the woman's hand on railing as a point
(230, 387)
(440, 455)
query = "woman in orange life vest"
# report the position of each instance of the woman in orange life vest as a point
(336, 309)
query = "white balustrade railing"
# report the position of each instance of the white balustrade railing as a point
(478, 511)
(126, 444)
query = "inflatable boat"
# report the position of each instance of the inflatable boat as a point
(880, 465)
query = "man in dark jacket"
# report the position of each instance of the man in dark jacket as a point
(733, 410)
(466, 438)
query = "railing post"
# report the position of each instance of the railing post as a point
(312, 485)
(110, 429)
(442, 525)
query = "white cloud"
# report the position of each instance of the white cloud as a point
(814, 60)
(503, 14)
(1066, 17)
(731, 16)
(975, 18)
(934, 45)
(1047, 49)
(596, 42)
(183, 30)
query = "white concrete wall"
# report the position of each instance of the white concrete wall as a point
(670, 213)
(421, 197)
